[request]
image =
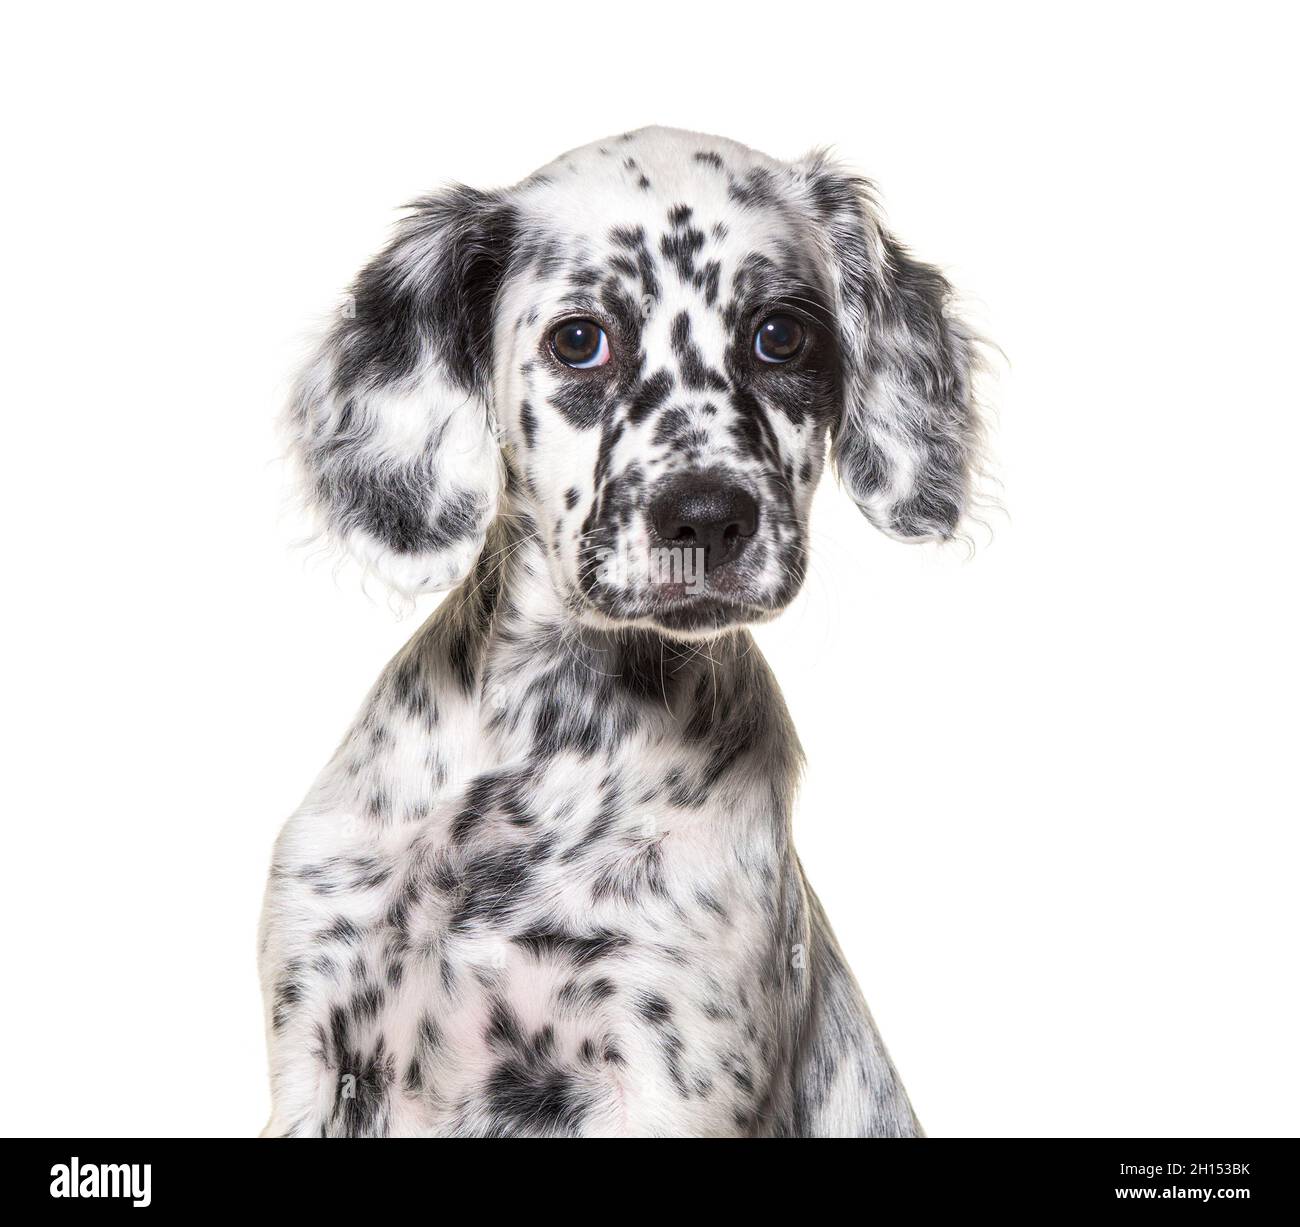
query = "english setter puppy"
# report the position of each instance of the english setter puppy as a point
(546, 885)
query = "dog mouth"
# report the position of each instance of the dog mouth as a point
(691, 605)
(704, 556)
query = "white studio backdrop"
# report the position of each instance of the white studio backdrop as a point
(1050, 802)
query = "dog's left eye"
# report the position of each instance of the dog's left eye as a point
(580, 344)
(779, 338)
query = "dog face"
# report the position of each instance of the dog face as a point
(648, 343)
(667, 372)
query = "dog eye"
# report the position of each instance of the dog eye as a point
(581, 344)
(779, 338)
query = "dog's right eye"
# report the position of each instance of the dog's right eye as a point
(779, 338)
(581, 344)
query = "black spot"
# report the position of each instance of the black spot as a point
(682, 244)
(648, 396)
(654, 1008)
(696, 374)
(503, 1026)
(535, 1096)
(582, 401)
(528, 424)
(707, 279)
(579, 993)
(579, 949)
(288, 993)
(342, 930)
(492, 886)
(757, 189)
(412, 692)
(628, 237)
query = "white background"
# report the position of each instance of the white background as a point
(1050, 801)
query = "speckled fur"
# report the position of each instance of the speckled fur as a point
(546, 886)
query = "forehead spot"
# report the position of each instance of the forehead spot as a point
(697, 375)
(682, 243)
(631, 237)
(707, 279)
(641, 267)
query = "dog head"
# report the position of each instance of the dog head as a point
(645, 348)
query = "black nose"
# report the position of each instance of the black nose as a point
(707, 513)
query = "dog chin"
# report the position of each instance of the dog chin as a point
(690, 618)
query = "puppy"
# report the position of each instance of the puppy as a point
(546, 886)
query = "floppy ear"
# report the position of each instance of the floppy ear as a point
(907, 442)
(390, 419)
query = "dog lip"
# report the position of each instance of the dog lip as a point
(695, 614)
(689, 613)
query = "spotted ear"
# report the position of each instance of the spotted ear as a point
(390, 420)
(907, 442)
